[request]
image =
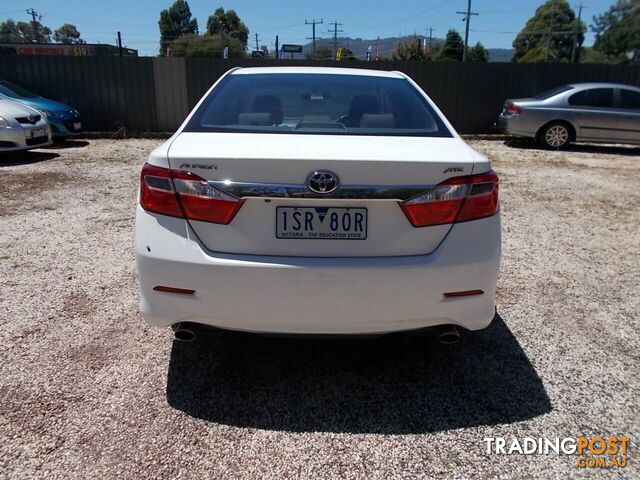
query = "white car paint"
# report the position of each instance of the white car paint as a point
(244, 278)
(15, 131)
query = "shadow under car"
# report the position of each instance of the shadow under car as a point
(610, 149)
(391, 384)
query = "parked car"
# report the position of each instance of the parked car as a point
(308, 200)
(583, 112)
(64, 120)
(22, 127)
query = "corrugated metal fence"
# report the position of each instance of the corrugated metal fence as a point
(155, 94)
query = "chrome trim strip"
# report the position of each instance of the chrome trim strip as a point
(292, 190)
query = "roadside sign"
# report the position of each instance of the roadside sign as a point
(290, 48)
(369, 50)
(226, 53)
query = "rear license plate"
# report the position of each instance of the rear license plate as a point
(321, 223)
(77, 126)
(38, 132)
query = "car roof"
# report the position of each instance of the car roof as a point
(602, 85)
(318, 70)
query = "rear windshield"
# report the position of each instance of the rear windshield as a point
(14, 91)
(317, 104)
(554, 92)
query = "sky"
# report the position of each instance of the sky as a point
(98, 21)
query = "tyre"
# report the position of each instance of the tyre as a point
(555, 135)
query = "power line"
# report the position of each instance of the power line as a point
(467, 19)
(313, 24)
(335, 32)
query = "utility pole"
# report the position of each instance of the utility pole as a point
(35, 17)
(431, 29)
(546, 55)
(576, 33)
(467, 18)
(257, 43)
(277, 48)
(120, 43)
(335, 32)
(313, 24)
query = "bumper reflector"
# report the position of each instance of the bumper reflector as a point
(463, 293)
(184, 291)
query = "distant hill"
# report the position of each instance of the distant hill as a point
(500, 54)
(386, 46)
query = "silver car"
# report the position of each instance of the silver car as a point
(22, 127)
(583, 112)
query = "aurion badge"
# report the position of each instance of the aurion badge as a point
(322, 181)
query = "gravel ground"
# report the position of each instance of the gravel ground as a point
(88, 390)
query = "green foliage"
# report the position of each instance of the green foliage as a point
(68, 34)
(554, 15)
(10, 33)
(538, 55)
(174, 22)
(347, 54)
(229, 23)
(478, 53)
(409, 50)
(322, 53)
(193, 45)
(34, 32)
(618, 30)
(26, 32)
(591, 55)
(452, 48)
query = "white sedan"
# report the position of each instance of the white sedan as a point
(307, 200)
(22, 127)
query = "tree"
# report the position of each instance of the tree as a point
(591, 55)
(322, 53)
(34, 32)
(174, 22)
(478, 54)
(228, 24)
(347, 54)
(409, 50)
(452, 48)
(193, 45)
(618, 30)
(554, 25)
(10, 33)
(68, 34)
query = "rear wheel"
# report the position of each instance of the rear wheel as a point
(555, 135)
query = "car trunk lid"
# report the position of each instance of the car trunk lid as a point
(269, 172)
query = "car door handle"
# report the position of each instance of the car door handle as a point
(629, 117)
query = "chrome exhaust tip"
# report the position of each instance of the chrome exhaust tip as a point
(449, 335)
(183, 333)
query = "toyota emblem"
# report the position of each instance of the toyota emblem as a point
(322, 181)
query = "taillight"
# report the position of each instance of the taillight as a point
(513, 109)
(186, 195)
(156, 191)
(457, 199)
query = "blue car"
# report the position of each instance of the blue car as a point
(64, 120)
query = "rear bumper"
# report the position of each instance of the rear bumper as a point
(517, 125)
(316, 295)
